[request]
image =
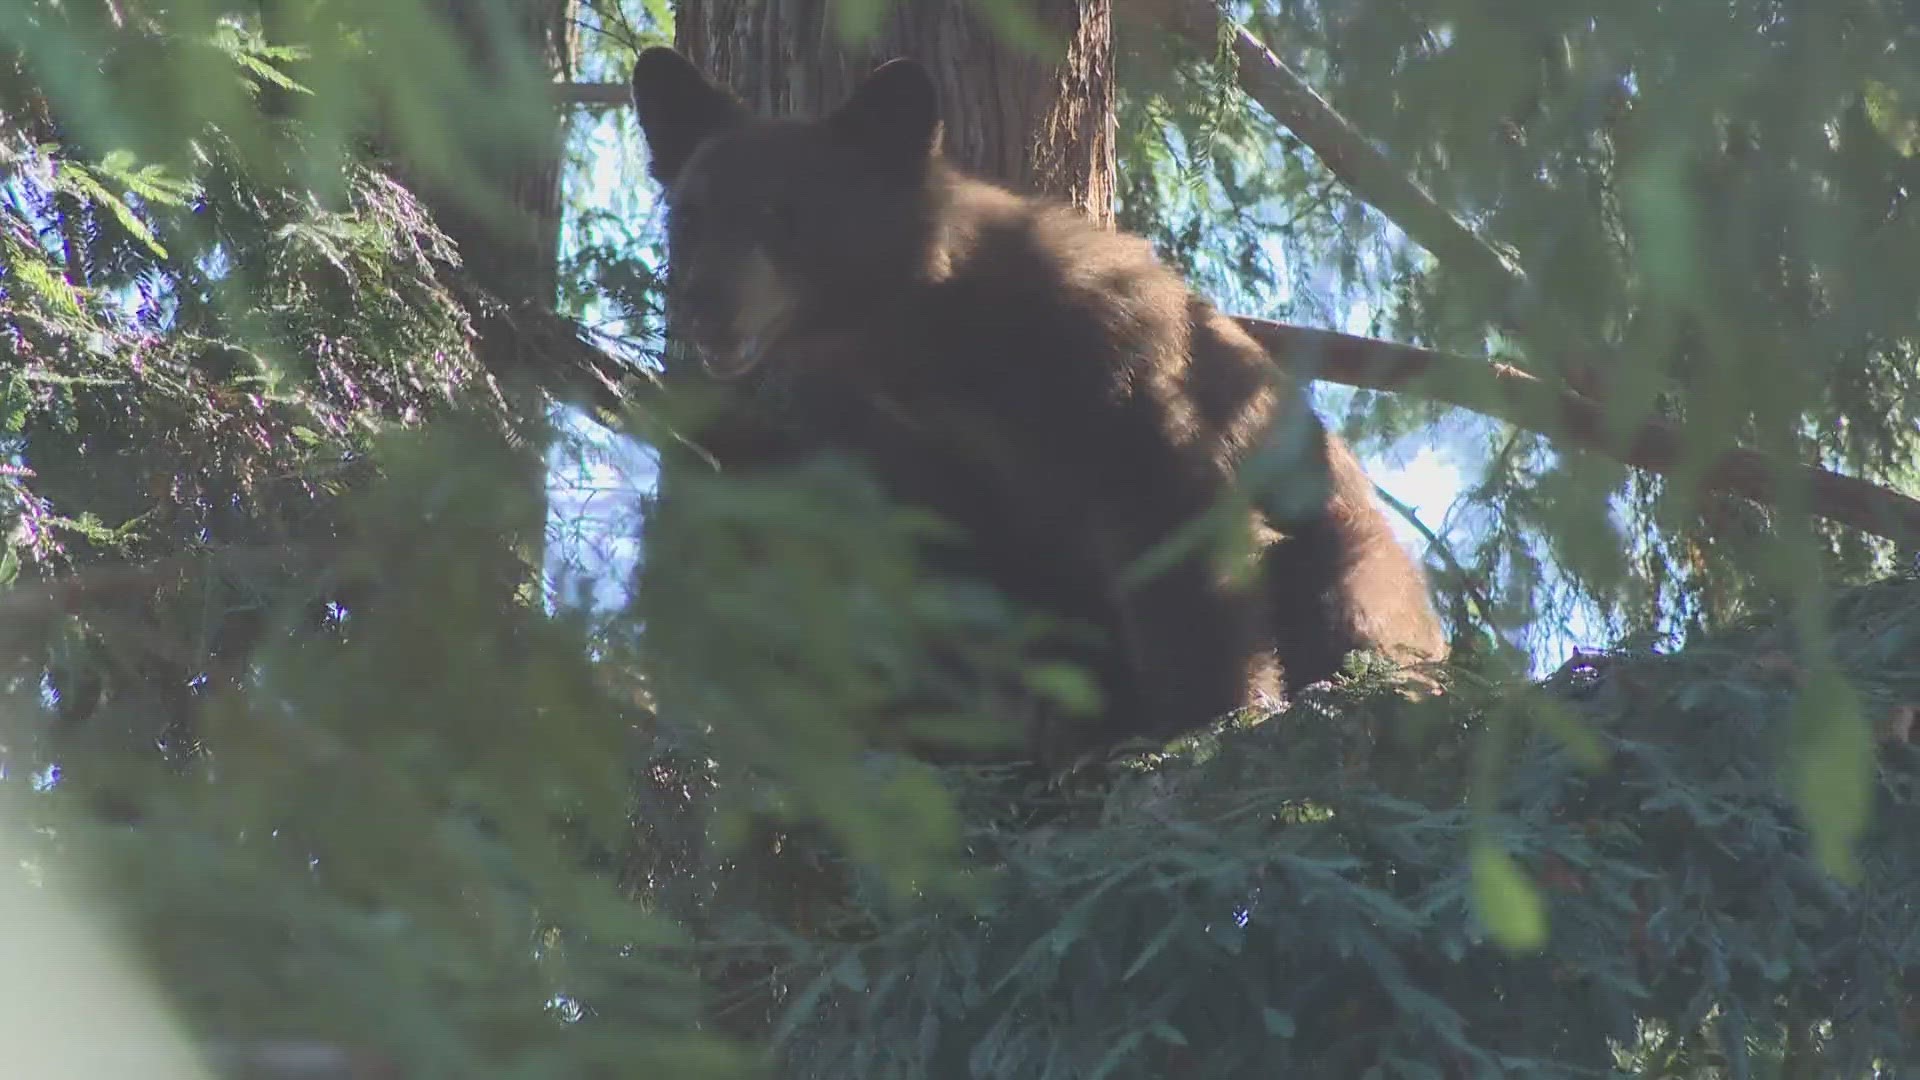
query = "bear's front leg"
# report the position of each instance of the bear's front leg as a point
(1196, 637)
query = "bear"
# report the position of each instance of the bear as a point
(1048, 387)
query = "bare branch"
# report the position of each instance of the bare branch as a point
(1469, 584)
(1347, 155)
(1368, 173)
(1498, 390)
(1512, 395)
(601, 95)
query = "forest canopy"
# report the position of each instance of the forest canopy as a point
(334, 735)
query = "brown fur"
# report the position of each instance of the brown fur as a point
(1048, 386)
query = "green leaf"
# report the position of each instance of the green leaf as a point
(1153, 949)
(1014, 22)
(1832, 769)
(1553, 715)
(55, 290)
(268, 72)
(150, 182)
(857, 21)
(78, 180)
(14, 404)
(1896, 124)
(1067, 684)
(1278, 1024)
(1166, 1033)
(1664, 223)
(1505, 900)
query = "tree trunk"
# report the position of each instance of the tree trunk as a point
(510, 249)
(498, 197)
(515, 257)
(1043, 124)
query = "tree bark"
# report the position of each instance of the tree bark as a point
(515, 256)
(1039, 123)
(509, 237)
(1573, 419)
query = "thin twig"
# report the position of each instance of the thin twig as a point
(1468, 583)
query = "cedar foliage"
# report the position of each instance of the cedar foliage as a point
(1294, 897)
(274, 731)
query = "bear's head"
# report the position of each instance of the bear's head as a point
(778, 227)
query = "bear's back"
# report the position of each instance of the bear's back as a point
(1089, 325)
(1061, 321)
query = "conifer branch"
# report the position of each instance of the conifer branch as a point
(1577, 414)
(1348, 155)
(1509, 394)
(595, 95)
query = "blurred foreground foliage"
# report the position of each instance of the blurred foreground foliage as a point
(277, 725)
(281, 730)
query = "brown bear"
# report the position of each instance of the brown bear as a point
(1047, 386)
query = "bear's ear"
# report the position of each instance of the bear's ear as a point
(894, 113)
(678, 109)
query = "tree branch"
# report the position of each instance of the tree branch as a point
(1368, 173)
(1346, 153)
(1497, 390)
(598, 95)
(1512, 395)
(1469, 585)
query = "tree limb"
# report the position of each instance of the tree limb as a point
(595, 95)
(1346, 153)
(1368, 173)
(1512, 395)
(1497, 390)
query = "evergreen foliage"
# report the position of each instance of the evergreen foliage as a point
(1293, 897)
(1708, 206)
(281, 732)
(253, 521)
